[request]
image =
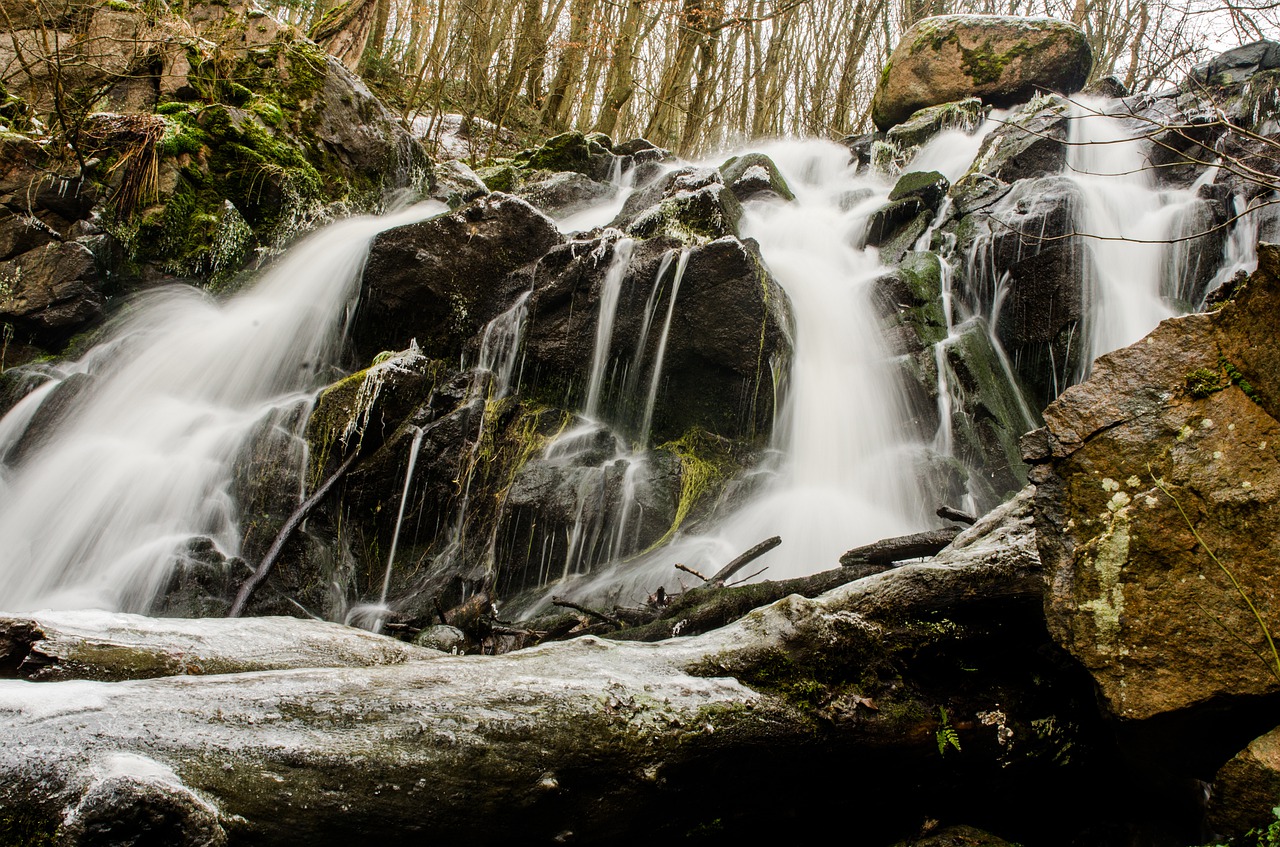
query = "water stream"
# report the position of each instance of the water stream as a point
(142, 456)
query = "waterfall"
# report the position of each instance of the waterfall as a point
(414, 446)
(141, 456)
(1127, 224)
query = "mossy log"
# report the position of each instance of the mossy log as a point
(903, 547)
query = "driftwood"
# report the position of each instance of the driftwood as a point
(286, 532)
(746, 559)
(566, 604)
(950, 514)
(706, 608)
(890, 550)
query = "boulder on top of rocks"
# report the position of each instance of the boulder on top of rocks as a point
(1003, 60)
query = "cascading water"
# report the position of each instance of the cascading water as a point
(142, 455)
(846, 461)
(1127, 223)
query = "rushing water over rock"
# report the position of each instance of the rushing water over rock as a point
(139, 460)
(1128, 225)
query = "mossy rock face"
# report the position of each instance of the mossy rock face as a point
(1002, 60)
(915, 131)
(568, 151)
(500, 177)
(1151, 508)
(929, 186)
(254, 133)
(755, 176)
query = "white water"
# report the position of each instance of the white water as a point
(412, 464)
(846, 469)
(143, 459)
(1127, 224)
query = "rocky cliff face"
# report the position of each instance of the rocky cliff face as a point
(180, 149)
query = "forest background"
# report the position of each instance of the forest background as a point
(695, 75)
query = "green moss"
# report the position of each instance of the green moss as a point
(706, 464)
(1202, 382)
(568, 151)
(27, 829)
(985, 65)
(1237, 379)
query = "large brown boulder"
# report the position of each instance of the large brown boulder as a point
(1003, 60)
(1158, 492)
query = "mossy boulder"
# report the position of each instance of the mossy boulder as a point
(1002, 60)
(928, 186)
(965, 115)
(690, 204)
(755, 176)
(1152, 504)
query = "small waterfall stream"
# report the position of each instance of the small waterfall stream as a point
(141, 459)
(1128, 224)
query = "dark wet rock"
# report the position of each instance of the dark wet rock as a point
(50, 293)
(1002, 60)
(1238, 64)
(754, 176)
(1016, 243)
(890, 220)
(564, 193)
(1030, 144)
(551, 498)
(202, 580)
(691, 204)
(438, 281)
(730, 324)
(976, 191)
(22, 233)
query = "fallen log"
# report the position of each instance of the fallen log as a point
(705, 608)
(890, 550)
(589, 741)
(949, 514)
(745, 559)
(110, 647)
